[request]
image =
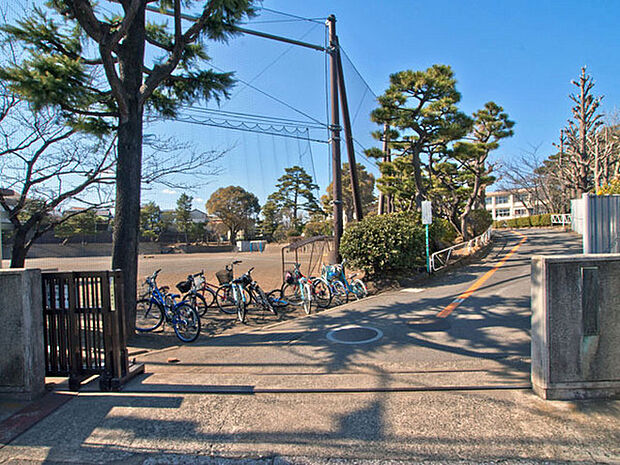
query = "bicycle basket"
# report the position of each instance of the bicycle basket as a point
(246, 280)
(184, 286)
(224, 276)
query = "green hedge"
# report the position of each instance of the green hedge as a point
(524, 222)
(393, 242)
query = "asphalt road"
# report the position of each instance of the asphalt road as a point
(437, 335)
(465, 368)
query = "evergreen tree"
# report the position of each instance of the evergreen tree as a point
(421, 108)
(294, 196)
(80, 224)
(152, 223)
(183, 214)
(61, 71)
(366, 183)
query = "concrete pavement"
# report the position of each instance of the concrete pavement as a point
(429, 389)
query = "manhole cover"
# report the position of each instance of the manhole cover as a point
(354, 335)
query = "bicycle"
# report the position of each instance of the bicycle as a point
(341, 285)
(224, 293)
(256, 294)
(292, 288)
(152, 311)
(193, 289)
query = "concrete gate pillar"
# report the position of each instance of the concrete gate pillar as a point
(22, 360)
(576, 326)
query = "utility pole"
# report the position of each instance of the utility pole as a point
(335, 138)
(348, 137)
(384, 200)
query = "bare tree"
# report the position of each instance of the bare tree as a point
(44, 165)
(537, 181)
(578, 155)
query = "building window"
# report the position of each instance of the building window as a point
(502, 213)
(501, 199)
(521, 212)
(488, 200)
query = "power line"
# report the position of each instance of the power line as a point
(276, 99)
(301, 18)
(288, 49)
(258, 118)
(290, 132)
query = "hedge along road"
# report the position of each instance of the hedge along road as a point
(405, 341)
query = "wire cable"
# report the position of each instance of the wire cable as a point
(301, 18)
(288, 49)
(276, 99)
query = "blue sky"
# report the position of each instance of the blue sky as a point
(522, 55)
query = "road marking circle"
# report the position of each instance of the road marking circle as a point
(354, 334)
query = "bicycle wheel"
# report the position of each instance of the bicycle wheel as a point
(198, 302)
(186, 322)
(225, 299)
(321, 292)
(240, 304)
(209, 295)
(339, 293)
(359, 289)
(307, 298)
(276, 300)
(291, 293)
(264, 301)
(149, 315)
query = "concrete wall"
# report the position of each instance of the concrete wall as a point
(576, 326)
(22, 363)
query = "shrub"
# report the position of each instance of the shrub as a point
(392, 242)
(480, 220)
(443, 233)
(523, 222)
(545, 220)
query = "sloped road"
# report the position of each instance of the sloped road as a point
(465, 329)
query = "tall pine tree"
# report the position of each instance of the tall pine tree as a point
(144, 64)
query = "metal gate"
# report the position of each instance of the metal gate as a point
(84, 330)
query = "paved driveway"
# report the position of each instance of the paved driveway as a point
(466, 328)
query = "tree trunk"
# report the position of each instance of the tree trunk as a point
(417, 176)
(128, 168)
(19, 250)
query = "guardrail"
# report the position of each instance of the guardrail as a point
(441, 258)
(559, 218)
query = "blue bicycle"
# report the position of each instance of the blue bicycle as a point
(160, 306)
(340, 285)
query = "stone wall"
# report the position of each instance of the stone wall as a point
(576, 326)
(22, 363)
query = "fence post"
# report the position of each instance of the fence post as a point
(75, 369)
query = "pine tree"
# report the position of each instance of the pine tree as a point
(294, 195)
(183, 214)
(366, 183)
(62, 71)
(420, 107)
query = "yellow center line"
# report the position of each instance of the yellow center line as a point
(476, 285)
